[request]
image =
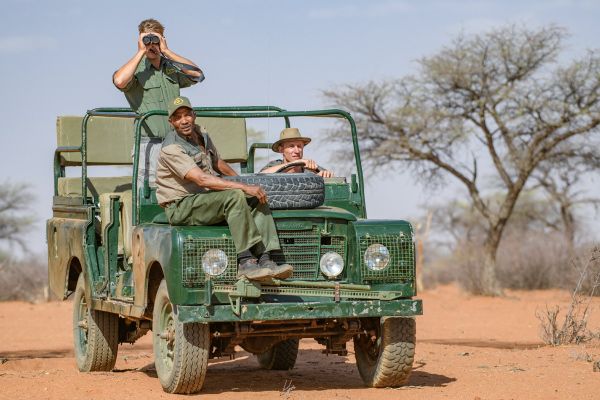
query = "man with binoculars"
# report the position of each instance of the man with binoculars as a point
(150, 80)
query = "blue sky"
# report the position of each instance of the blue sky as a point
(58, 58)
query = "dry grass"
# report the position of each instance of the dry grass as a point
(25, 280)
(288, 388)
(572, 328)
(534, 260)
(530, 261)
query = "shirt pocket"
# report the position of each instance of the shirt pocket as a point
(152, 95)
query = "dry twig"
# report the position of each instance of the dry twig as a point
(573, 328)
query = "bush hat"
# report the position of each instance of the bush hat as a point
(289, 134)
(177, 103)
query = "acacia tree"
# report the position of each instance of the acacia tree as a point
(15, 215)
(561, 179)
(498, 100)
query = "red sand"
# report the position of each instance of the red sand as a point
(468, 347)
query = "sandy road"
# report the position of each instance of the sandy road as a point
(467, 348)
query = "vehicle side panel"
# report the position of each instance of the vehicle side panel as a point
(150, 244)
(65, 238)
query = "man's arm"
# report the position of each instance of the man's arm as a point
(176, 57)
(308, 164)
(271, 167)
(225, 169)
(212, 182)
(124, 75)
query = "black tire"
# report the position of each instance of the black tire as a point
(95, 334)
(280, 357)
(180, 350)
(387, 361)
(287, 191)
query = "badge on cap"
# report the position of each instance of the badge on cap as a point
(178, 101)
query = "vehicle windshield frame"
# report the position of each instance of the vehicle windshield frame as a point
(214, 112)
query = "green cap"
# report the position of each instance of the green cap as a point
(177, 103)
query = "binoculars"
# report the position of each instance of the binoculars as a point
(148, 39)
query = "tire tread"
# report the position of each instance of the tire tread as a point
(280, 357)
(190, 362)
(394, 364)
(102, 336)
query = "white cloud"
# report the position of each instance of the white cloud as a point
(370, 9)
(19, 44)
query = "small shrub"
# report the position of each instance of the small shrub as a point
(573, 327)
(25, 280)
(533, 260)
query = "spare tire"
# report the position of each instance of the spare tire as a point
(287, 191)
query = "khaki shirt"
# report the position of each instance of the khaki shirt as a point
(178, 156)
(152, 89)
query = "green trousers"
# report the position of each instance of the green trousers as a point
(248, 225)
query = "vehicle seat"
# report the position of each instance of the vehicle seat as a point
(71, 187)
(125, 228)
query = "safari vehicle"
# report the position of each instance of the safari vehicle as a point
(129, 271)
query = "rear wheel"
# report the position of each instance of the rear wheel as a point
(280, 357)
(180, 350)
(384, 356)
(95, 334)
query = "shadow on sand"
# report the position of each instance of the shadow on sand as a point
(312, 372)
(32, 354)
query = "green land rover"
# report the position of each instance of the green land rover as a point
(130, 271)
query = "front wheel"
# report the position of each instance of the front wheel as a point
(180, 350)
(95, 334)
(280, 357)
(385, 354)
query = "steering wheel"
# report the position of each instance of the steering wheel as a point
(295, 164)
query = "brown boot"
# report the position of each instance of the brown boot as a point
(254, 272)
(282, 271)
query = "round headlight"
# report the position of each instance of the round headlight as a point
(331, 264)
(377, 257)
(214, 262)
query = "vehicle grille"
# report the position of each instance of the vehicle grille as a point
(192, 274)
(303, 249)
(402, 258)
(300, 248)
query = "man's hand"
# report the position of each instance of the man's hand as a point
(256, 191)
(325, 174)
(163, 44)
(310, 164)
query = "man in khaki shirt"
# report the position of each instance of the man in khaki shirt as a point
(192, 193)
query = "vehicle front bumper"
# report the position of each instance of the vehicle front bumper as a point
(305, 310)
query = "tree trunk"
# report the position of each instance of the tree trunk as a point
(569, 226)
(489, 285)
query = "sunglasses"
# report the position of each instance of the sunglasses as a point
(150, 39)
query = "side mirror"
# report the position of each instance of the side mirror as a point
(353, 184)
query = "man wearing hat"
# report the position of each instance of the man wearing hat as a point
(291, 145)
(192, 193)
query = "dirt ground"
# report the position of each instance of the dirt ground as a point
(467, 348)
